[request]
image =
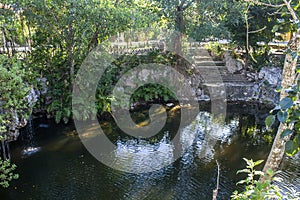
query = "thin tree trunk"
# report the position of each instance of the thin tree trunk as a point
(3, 40)
(180, 30)
(7, 150)
(215, 191)
(288, 78)
(13, 47)
(70, 49)
(23, 34)
(3, 150)
(94, 41)
(6, 42)
(29, 37)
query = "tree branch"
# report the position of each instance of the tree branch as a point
(265, 4)
(291, 10)
(215, 192)
(256, 31)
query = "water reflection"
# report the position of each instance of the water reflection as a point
(141, 156)
(207, 131)
(63, 169)
(197, 139)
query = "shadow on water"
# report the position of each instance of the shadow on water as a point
(63, 169)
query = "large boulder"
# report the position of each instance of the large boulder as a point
(273, 75)
(233, 65)
(269, 79)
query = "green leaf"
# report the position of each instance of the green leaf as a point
(285, 133)
(241, 182)
(275, 28)
(258, 173)
(298, 69)
(294, 55)
(67, 112)
(298, 139)
(278, 89)
(282, 116)
(58, 116)
(243, 171)
(270, 172)
(270, 120)
(286, 103)
(291, 147)
(166, 97)
(258, 162)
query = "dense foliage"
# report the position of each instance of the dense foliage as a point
(15, 102)
(7, 173)
(65, 33)
(257, 189)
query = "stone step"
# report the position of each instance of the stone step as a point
(214, 76)
(234, 78)
(210, 63)
(232, 92)
(203, 58)
(211, 69)
(201, 52)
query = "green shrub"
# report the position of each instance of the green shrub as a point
(259, 186)
(7, 173)
(152, 92)
(14, 88)
(149, 92)
(215, 48)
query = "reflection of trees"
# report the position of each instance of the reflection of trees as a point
(202, 141)
(252, 131)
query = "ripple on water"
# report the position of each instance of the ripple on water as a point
(139, 156)
(290, 174)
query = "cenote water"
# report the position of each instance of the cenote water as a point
(54, 164)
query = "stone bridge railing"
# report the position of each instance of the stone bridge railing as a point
(136, 47)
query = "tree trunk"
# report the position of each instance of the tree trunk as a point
(3, 150)
(70, 49)
(94, 41)
(180, 30)
(288, 78)
(6, 42)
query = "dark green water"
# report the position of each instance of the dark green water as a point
(63, 169)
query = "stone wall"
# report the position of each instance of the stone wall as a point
(260, 89)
